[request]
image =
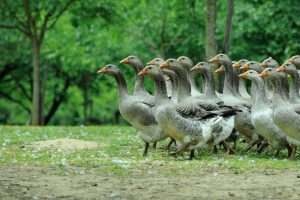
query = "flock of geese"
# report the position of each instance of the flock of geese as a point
(268, 115)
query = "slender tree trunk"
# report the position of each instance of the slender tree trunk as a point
(43, 92)
(226, 45)
(211, 43)
(36, 95)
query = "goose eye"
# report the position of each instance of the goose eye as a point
(251, 63)
(269, 70)
(171, 60)
(157, 60)
(250, 72)
(268, 61)
(150, 68)
(109, 66)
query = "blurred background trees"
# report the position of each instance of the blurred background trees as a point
(64, 43)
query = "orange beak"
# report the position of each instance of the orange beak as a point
(244, 75)
(103, 70)
(168, 79)
(195, 69)
(221, 69)
(150, 62)
(164, 65)
(280, 69)
(124, 61)
(292, 59)
(143, 72)
(264, 74)
(237, 65)
(245, 67)
(214, 59)
(263, 64)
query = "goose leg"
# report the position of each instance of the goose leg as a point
(250, 145)
(277, 153)
(234, 143)
(289, 148)
(170, 143)
(146, 149)
(229, 150)
(192, 155)
(262, 146)
(215, 149)
(154, 145)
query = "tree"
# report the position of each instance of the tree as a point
(226, 44)
(33, 20)
(210, 38)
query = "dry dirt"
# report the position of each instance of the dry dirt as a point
(28, 182)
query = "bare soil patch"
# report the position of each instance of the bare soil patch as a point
(28, 182)
(65, 143)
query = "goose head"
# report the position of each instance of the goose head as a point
(250, 74)
(109, 69)
(221, 58)
(169, 73)
(186, 62)
(156, 61)
(269, 63)
(287, 67)
(150, 70)
(239, 63)
(252, 65)
(295, 60)
(133, 61)
(270, 73)
(171, 64)
(201, 67)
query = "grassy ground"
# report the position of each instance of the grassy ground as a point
(119, 155)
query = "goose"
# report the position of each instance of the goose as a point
(243, 119)
(262, 115)
(285, 115)
(136, 109)
(187, 63)
(272, 63)
(191, 128)
(291, 70)
(242, 83)
(205, 69)
(295, 60)
(139, 88)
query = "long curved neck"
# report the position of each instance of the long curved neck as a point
(294, 91)
(260, 100)
(184, 87)
(191, 77)
(174, 83)
(122, 85)
(235, 73)
(139, 80)
(228, 81)
(284, 85)
(160, 90)
(210, 88)
(242, 86)
(278, 99)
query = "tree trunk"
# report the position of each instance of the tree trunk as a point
(226, 45)
(36, 111)
(211, 43)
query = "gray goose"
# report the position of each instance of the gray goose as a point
(285, 115)
(262, 115)
(242, 83)
(272, 63)
(136, 109)
(291, 70)
(187, 63)
(243, 119)
(137, 65)
(295, 60)
(192, 128)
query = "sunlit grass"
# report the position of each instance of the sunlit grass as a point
(120, 152)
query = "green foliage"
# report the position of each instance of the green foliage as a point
(91, 34)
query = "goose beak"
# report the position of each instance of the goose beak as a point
(164, 65)
(237, 65)
(292, 59)
(221, 69)
(214, 59)
(125, 61)
(280, 69)
(168, 79)
(263, 74)
(263, 64)
(103, 70)
(244, 75)
(150, 62)
(143, 72)
(195, 69)
(245, 67)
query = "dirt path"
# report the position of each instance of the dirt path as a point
(44, 183)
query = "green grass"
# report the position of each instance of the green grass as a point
(120, 152)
